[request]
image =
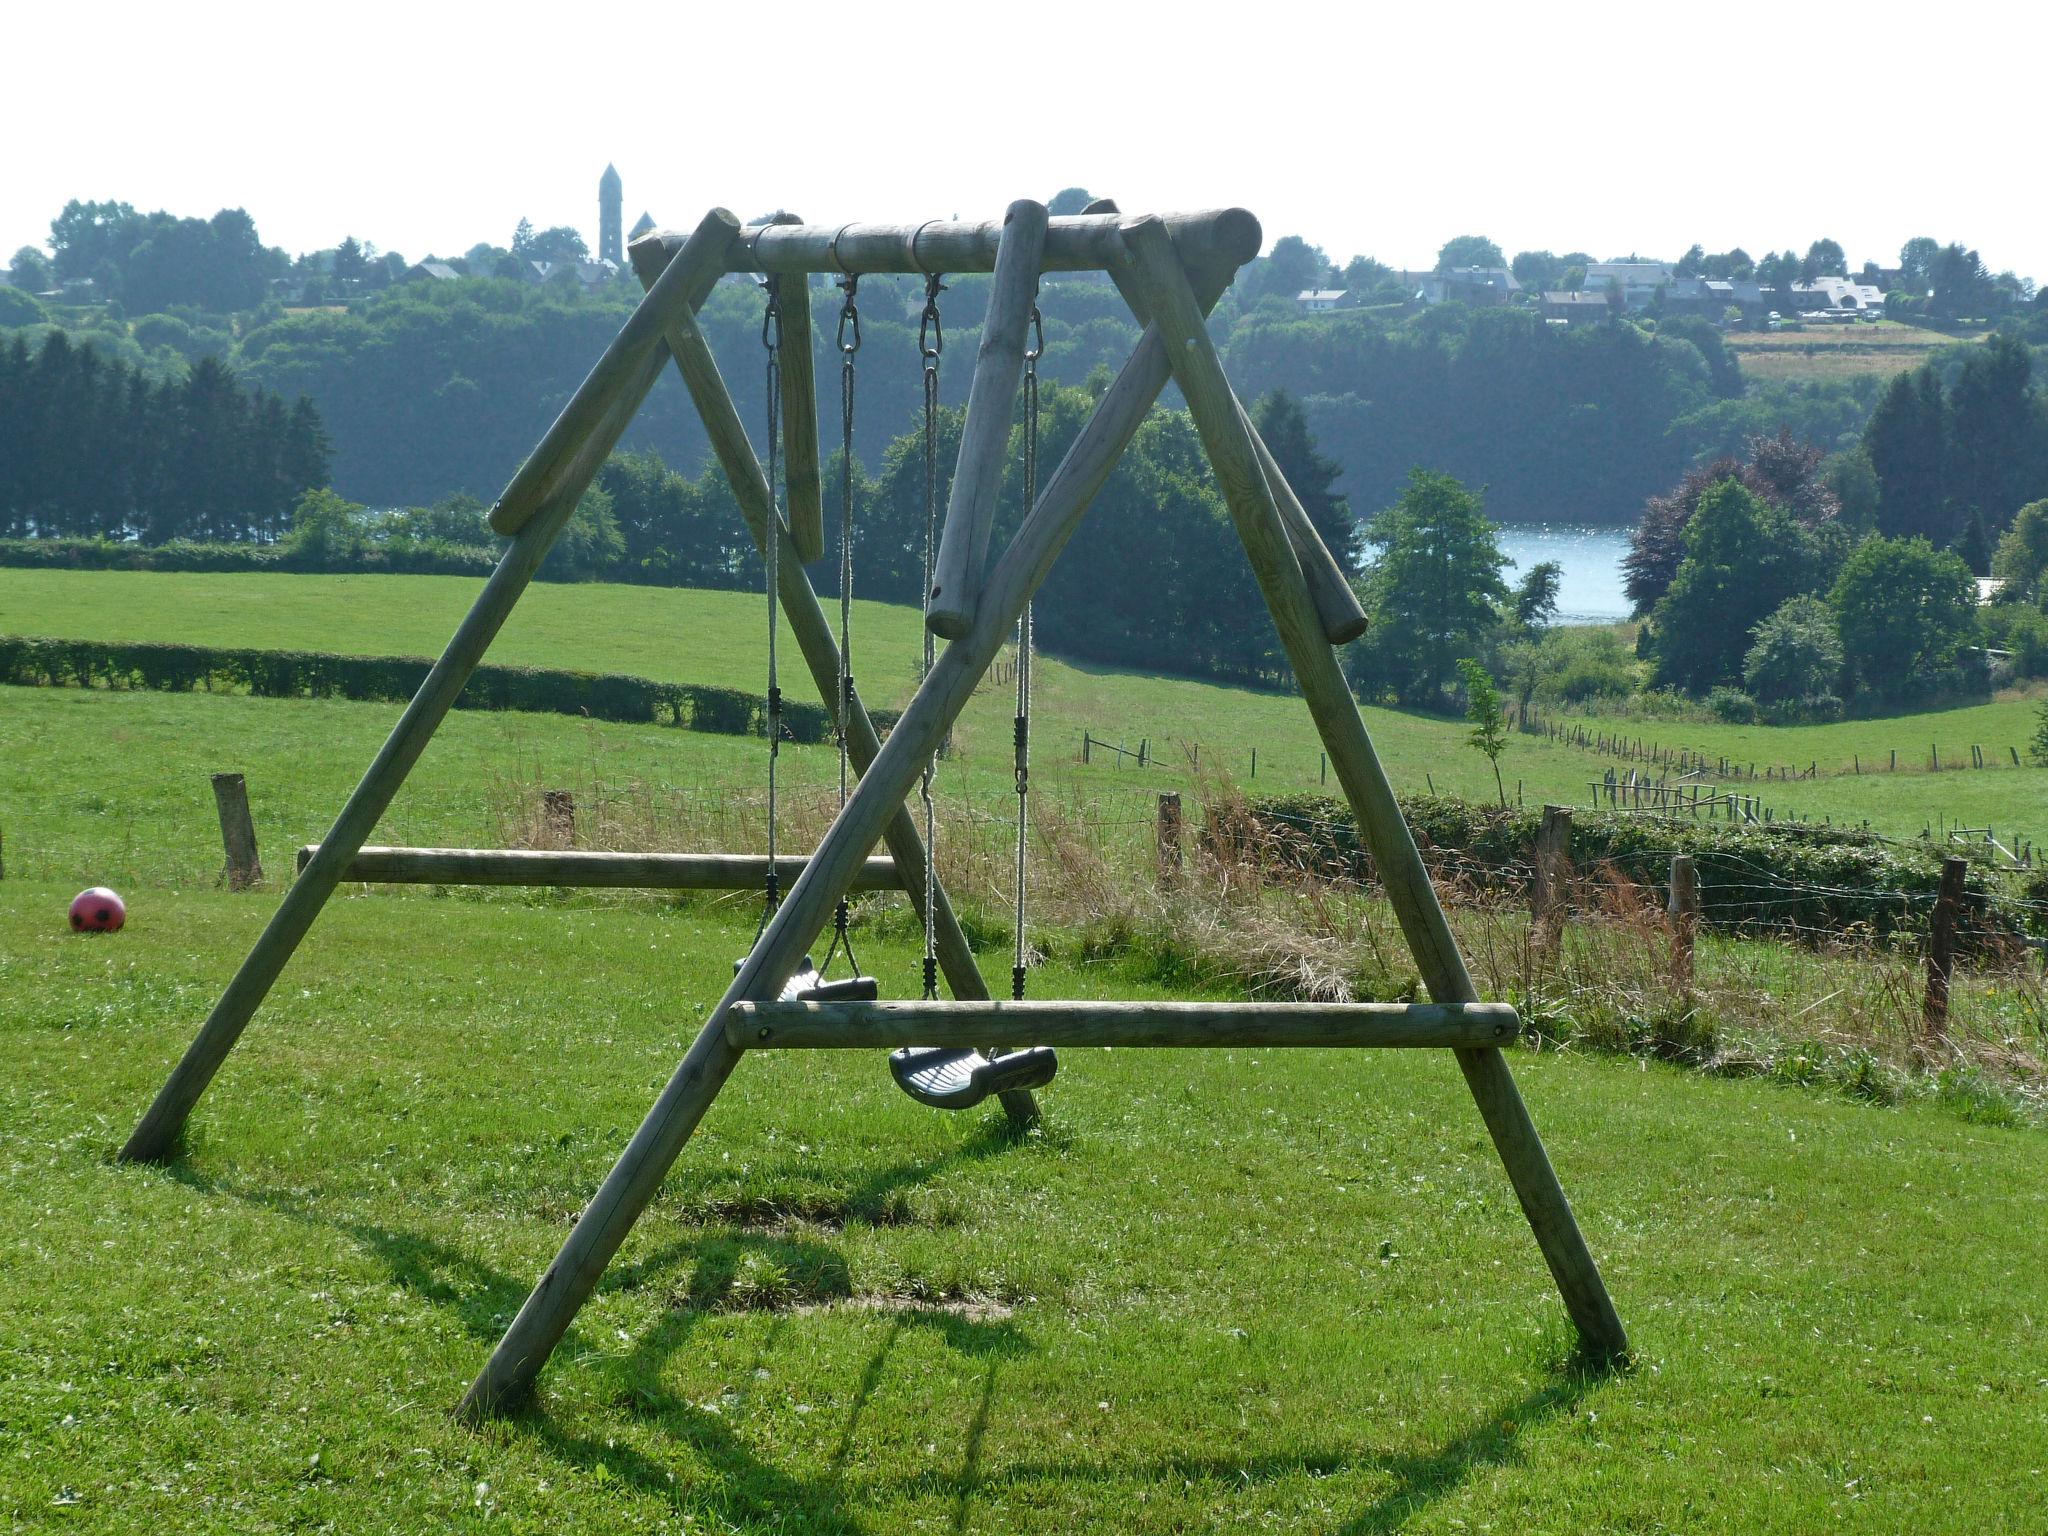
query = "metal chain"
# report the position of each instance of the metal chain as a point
(849, 344)
(931, 341)
(771, 340)
(1024, 638)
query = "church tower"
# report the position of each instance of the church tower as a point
(611, 194)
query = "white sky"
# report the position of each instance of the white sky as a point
(1368, 129)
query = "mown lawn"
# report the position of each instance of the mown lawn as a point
(1192, 728)
(1215, 1291)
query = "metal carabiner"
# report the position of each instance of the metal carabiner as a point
(849, 314)
(771, 318)
(1036, 349)
(931, 333)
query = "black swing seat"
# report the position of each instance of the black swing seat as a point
(806, 986)
(945, 1077)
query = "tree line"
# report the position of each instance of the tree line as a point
(92, 448)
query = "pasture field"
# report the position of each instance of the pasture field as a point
(1837, 352)
(1214, 1291)
(1191, 727)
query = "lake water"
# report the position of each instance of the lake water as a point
(1589, 591)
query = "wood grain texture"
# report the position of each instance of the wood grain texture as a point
(887, 1025)
(985, 434)
(803, 487)
(597, 870)
(1216, 237)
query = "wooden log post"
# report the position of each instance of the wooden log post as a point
(1683, 911)
(1941, 951)
(158, 1129)
(796, 373)
(1159, 276)
(573, 1274)
(585, 868)
(985, 434)
(888, 1025)
(558, 818)
(1168, 839)
(237, 832)
(1551, 888)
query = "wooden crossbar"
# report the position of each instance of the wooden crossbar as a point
(620, 871)
(1217, 237)
(887, 1025)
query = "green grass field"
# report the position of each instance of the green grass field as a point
(1820, 352)
(1216, 1291)
(717, 637)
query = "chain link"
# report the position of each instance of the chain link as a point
(931, 341)
(771, 341)
(1032, 352)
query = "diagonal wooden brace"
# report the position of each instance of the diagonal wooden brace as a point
(1157, 276)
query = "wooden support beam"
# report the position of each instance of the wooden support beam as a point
(611, 871)
(985, 435)
(623, 362)
(573, 1274)
(158, 1129)
(1343, 617)
(803, 488)
(237, 832)
(1157, 274)
(1212, 238)
(887, 1025)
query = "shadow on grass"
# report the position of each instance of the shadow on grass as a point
(1417, 1480)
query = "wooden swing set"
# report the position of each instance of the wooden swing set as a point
(1170, 269)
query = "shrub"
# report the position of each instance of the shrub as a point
(1797, 654)
(1732, 705)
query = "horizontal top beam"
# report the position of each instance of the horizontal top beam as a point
(1084, 242)
(886, 1025)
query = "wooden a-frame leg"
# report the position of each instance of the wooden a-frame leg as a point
(807, 621)
(1157, 275)
(157, 1131)
(568, 1281)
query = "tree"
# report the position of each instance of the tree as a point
(1489, 734)
(350, 264)
(1434, 589)
(1998, 437)
(1781, 471)
(1824, 258)
(31, 270)
(1311, 475)
(1904, 609)
(1536, 595)
(1469, 251)
(2022, 555)
(557, 243)
(1068, 200)
(1907, 441)
(1916, 264)
(1290, 267)
(1797, 654)
(1536, 270)
(1743, 558)
(1692, 264)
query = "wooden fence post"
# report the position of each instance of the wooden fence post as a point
(1941, 949)
(237, 831)
(558, 818)
(1549, 889)
(1168, 837)
(1086, 743)
(1684, 912)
